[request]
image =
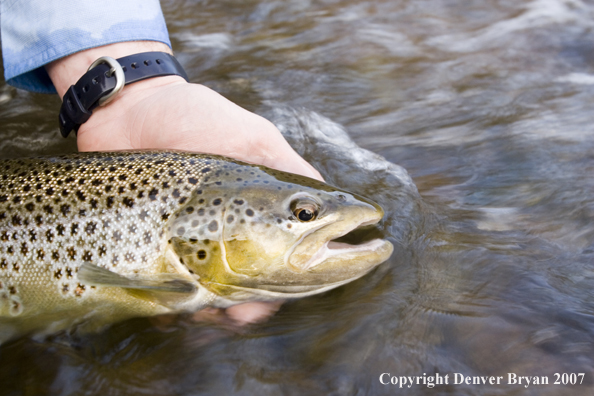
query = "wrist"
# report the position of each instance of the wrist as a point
(115, 125)
(106, 78)
(66, 71)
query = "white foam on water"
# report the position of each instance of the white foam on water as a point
(215, 41)
(537, 14)
(498, 219)
(303, 128)
(396, 43)
(577, 78)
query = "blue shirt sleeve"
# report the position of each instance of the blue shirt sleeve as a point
(36, 32)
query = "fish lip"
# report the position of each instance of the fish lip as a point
(322, 254)
(275, 292)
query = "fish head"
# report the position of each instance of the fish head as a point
(253, 233)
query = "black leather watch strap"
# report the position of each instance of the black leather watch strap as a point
(81, 98)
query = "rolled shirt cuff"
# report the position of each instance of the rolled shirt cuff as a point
(37, 32)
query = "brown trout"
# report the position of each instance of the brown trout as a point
(101, 237)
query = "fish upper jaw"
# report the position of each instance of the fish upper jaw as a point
(321, 242)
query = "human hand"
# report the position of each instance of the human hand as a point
(170, 113)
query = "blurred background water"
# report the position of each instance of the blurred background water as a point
(488, 106)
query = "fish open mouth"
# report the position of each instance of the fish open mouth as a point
(340, 243)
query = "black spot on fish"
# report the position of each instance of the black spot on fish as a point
(195, 223)
(230, 219)
(40, 254)
(16, 199)
(122, 177)
(71, 251)
(217, 201)
(153, 194)
(65, 209)
(80, 195)
(48, 209)
(87, 256)
(201, 254)
(74, 229)
(49, 235)
(96, 182)
(249, 212)
(90, 227)
(94, 203)
(60, 228)
(165, 216)
(16, 220)
(3, 264)
(192, 180)
(109, 201)
(129, 202)
(213, 226)
(24, 248)
(129, 257)
(38, 220)
(121, 190)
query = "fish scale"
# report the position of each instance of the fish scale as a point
(46, 230)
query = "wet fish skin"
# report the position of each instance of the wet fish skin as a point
(221, 229)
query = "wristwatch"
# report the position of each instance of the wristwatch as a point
(105, 78)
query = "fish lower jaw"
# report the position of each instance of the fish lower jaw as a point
(332, 249)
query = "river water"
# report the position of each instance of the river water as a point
(486, 104)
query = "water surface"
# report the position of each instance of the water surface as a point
(488, 106)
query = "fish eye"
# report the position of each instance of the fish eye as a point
(304, 210)
(305, 214)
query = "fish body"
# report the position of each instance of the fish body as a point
(101, 237)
